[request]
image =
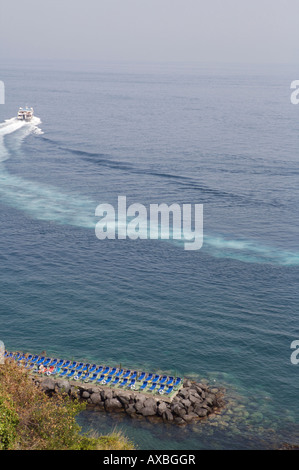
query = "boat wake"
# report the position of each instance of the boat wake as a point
(12, 125)
(44, 202)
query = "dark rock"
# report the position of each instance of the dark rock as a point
(162, 407)
(167, 415)
(105, 394)
(48, 384)
(190, 417)
(139, 405)
(205, 404)
(124, 399)
(96, 398)
(186, 403)
(194, 399)
(130, 409)
(64, 385)
(179, 420)
(140, 398)
(147, 411)
(210, 399)
(193, 392)
(149, 407)
(113, 404)
(150, 403)
(202, 386)
(179, 410)
(184, 392)
(85, 394)
(201, 412)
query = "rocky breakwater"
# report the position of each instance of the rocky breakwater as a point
(192, 402)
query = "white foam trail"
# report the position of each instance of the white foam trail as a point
(39, 201)
(12, 125)
(44, 202)
(249, 251)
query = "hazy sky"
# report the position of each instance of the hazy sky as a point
(156, 30)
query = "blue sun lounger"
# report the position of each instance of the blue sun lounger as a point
(152, 387)
(59, 363)
(124, 382)
(149, 377)
(161, 389)
(78, 375)
(92, 377)
(107, 380)
(34, 359)
(47, 362)
(128, 372)
(73, 365)
(53, 362)
(100, 378)
(134, 375)
(21, 358)
(177, 382)
(66, 363)
(155, 379)
(86, 367)
(170, 380)
(79, 366)
(144, 385)
(71, 374)
(115, 381)
(119, 373)
(63, 373)
(112, 372)
(141, 377)
(169, 390)
(163, 380)
(85, 376)
(106, 371)
(131, 384)
(93, 368)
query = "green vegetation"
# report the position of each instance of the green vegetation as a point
(30, 420)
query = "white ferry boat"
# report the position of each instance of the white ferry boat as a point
(25, 114)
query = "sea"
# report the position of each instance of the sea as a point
(224, 136)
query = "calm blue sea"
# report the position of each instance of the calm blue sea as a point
(222, 136)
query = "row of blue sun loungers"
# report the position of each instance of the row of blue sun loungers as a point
(103, 375)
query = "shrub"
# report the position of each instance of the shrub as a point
(30, 420)
(8, 423)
